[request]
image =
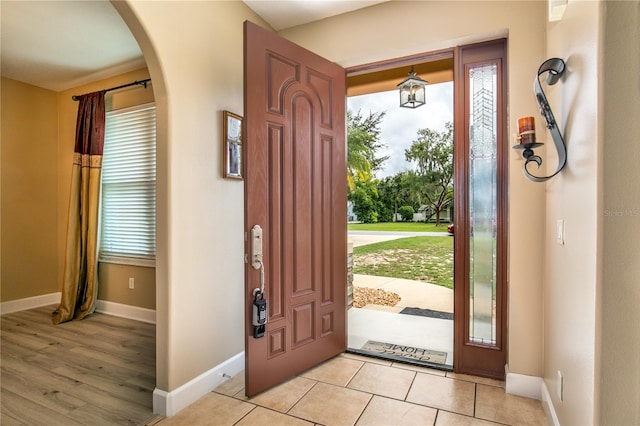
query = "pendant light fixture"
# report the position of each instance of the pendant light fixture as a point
(412, 91)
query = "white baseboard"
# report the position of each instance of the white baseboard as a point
(547, 404)
(169, 403)
(126, 311)
(523, 385)
(110, 308)
(30, 303)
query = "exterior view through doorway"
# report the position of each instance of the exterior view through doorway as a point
(480, 179)
(400, 294)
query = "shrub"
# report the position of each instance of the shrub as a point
(406, 212)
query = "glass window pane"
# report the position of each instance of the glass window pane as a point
(483, 203)
(128, 220)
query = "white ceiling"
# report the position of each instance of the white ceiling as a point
(62, 44)
(282, 14)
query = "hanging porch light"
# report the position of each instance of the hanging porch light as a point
(412, 91)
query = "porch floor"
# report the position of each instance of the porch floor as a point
(400, 329)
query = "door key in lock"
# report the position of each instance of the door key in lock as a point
(259, 318)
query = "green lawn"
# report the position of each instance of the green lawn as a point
(399, 227)
(428, 259)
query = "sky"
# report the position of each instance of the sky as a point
(399, 127)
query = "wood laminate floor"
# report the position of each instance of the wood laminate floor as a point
(98, 371)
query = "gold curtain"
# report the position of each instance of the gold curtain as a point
(80, 285)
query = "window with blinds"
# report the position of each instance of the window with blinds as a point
(128, 221)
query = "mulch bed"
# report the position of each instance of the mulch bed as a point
(363, 296)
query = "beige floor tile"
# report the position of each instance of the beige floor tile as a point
(444, 393)
(284, 396)
(263, 417)
(382, 380)
(337, 371)
(241, 395)
(384, 411)
(494, 404)
(476, 379)
(446, 418)
(366, 359)
(232, 386)
(419, 369)
(211, 409)
(331, 405)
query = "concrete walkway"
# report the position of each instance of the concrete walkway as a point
(413, 294)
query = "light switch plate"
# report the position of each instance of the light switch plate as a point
(560, 385)
(560, 231)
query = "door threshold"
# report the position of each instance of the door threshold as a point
(399, 359)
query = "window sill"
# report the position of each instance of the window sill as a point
(133, 261)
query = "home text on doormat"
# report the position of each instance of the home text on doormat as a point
(407, 352)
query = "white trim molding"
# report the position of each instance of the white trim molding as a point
(523, 385)
(547, 405)
(169, 403)
(126, 311)
(29, 303)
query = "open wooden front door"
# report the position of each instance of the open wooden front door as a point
(295, 190)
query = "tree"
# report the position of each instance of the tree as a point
(433, 153)
(364, 197)
(398, 190)
(363, 143)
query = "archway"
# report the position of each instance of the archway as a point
(162, 143)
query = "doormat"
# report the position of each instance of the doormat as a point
(427, 313)
(408, 353)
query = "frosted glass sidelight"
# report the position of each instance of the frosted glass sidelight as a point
(483, 128)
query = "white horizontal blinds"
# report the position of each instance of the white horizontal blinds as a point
(129, 184)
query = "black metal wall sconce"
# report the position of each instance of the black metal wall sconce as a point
(526, 128)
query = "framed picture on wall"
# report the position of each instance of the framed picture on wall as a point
(232, 145)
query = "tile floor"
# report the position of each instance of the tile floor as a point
(354, 390)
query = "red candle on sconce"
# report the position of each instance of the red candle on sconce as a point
(526, 130)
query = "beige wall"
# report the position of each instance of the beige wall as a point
(374, 34)
(29, 188)
(571, 270)
(619, 218)
(114, 285)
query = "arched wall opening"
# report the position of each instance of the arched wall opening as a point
(162, 123)
(197, 73)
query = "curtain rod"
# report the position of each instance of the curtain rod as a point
(137, 82)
